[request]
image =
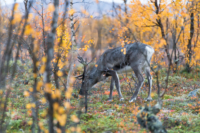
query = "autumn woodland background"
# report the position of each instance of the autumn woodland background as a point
(39, 44)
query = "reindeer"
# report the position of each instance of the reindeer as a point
(113, 62)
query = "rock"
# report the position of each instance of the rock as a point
(120, 104)
(147, 119)
(194, 93)
(185, 88)
(109, 111)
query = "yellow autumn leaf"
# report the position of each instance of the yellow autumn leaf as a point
(61, 110)
(43, 100)
(31, 89)
(16, 6)
(2, 105)
(33, 105)
(182, 22)
(91, 16)
(67, 95)
(44, 59)
(42, 68)
(50, 8)
(70, 89)
(17, 18)
(72, 79)
(57, 93)
(59, 73)
(40, 124)
(28, 106)
(48, 87)
(78, 130)
(36, 48)
(30, 122)
(34, 75)
(29, 112)
(84, 49)
(30, 17)
(44, 113)
(26, 93)
(46, 130)
(74, 118)
(61, 65)
(55, 106)
(62, 121)
(67, 105)
(58, 130)
(154, 67)
(73, 129)
(85, 12)
(1, 92)
(37, 63)
(71, 11)
(153, 94)
(53, 96)
(39, 85)
(162, 42)
(28, 30)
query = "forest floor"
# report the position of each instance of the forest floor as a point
(179, 113)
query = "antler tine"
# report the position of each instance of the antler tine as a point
(80, 59)
(78, 76)
(91, 60)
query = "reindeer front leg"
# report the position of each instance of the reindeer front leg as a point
(111, 89)
(115, 80)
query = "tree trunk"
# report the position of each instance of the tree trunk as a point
(189, 46)
(73, 44)
(50, 54)
(99, 30)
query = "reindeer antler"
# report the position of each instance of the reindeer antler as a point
(82, 61)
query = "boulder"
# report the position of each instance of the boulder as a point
(147, 119)
(194, 93)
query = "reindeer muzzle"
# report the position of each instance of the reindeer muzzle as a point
(81, 92)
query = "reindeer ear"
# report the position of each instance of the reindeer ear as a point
(79, 76)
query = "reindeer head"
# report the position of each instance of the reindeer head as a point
(87, 77)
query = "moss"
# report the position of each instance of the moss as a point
(168, 97)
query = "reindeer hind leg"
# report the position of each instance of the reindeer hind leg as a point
(148, 74)
(138, 73)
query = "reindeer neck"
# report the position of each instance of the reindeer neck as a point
(94, 76)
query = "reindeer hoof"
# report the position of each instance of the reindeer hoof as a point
(132, 100)
(148, 99)
(121, 99)
(109, 99)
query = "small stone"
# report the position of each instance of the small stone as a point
(184, 88)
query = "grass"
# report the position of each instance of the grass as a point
(179, 114)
